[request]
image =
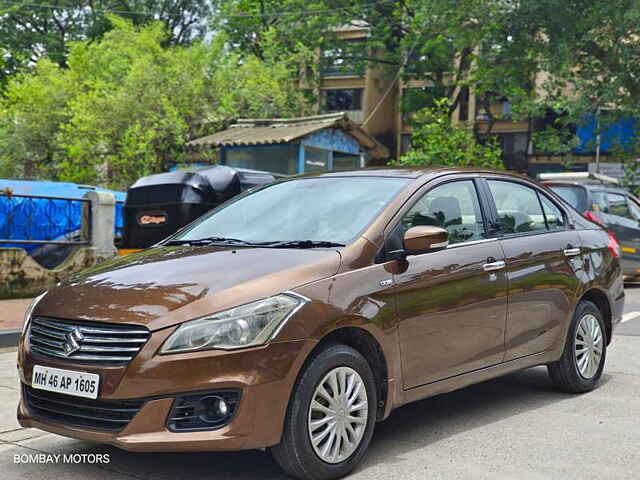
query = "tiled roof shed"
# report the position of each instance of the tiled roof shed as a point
(321, 142)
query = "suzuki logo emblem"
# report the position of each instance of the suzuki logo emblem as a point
(72, 343)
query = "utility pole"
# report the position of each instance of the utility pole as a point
(598, 140)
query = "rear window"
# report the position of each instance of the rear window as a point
(574, 196)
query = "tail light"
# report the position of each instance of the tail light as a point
(613, 245)
(589, 215)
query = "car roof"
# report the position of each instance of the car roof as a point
(412, 172)
(589, 186)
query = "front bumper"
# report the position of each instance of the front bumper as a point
(264, 375)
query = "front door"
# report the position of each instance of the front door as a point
(452, 303)
(543, 256)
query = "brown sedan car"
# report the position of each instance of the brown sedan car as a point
(298, 315)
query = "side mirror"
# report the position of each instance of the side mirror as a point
(424, 239)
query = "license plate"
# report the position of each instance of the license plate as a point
(69, 382)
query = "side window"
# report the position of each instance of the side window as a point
(618, 205)
(519, 209)
(599, 201)
(453, 206)
(634, 208)
(554, 216)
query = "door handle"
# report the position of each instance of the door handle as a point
(571, 252)
(490, 267)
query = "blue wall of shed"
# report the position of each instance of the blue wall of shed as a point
(329, 139)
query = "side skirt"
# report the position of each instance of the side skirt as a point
(477, 376)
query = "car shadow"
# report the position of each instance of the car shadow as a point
(411, 427)
(432, 420)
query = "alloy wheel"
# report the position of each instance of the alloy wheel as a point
(589, 343)
(338, 415)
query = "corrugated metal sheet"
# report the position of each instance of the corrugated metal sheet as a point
(269, 131)
(252, 131)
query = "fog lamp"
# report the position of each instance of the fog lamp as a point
(213, 409)
(203, 411)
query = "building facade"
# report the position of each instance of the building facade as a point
(374, 98)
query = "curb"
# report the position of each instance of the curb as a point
(9, 338)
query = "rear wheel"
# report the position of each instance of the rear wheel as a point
(331, 416)
(582, 361)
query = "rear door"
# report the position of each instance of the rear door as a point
(542, 255)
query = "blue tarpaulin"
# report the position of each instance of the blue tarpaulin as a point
(619, 133)
(45, 219)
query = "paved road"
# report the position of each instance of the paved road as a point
(631, 317)
(13, 313)
(516, 427)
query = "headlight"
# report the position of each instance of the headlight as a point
(27, 314)
(245, 326)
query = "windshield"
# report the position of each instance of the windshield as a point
(574, 196)
(333, 209)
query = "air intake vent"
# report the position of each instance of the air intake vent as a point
(85, 341)
(93, 414)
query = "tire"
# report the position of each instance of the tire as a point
(296, 454)
(575, 372)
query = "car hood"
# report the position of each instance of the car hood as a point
(165, 286)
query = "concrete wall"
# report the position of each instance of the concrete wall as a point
(21, 276)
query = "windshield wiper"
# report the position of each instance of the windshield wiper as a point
(198, 242)
(303, 244)
(203, 242)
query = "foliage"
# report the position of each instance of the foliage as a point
(30, 115)
(497, 48)
(631, 176)
(436, 141)
(126, 105)
(31, 29)
(628, 155)
(429, 42)
(554, 140)
(592, 49)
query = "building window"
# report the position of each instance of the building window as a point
(315, 160)
(345, 161)
(277, 159)
(343, 100)
(514, 142)
(345, 59)
(463, 113)
(405, 143)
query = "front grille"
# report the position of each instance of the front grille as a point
(86, 341)
(82, 412)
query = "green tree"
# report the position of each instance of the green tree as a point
(435, 141)
(31, 113)
(32, 29)
(444, 44)
(126, 105)
(495, 48)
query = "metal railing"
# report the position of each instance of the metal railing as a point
(43, 220)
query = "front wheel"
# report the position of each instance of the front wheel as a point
(331, 416)
(582, 361)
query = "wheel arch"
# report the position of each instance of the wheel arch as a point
(600, 299)
(370, 348)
